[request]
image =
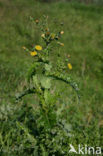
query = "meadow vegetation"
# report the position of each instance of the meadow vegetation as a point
(83, 45)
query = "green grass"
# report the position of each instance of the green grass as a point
(83, 39)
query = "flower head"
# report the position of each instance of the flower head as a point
(52, 36)
(33, 53)
(47, 33)
(38, 47)
(69, 56)
(36, 21)
(62, 32)
(70, 66)
(24, 48)
(43, 35)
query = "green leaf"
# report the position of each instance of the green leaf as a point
(35, 80)
(45, 82)
(48, 67)
(46, 95)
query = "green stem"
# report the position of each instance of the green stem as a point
(28, 91)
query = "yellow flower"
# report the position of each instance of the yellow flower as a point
(69, 56)
(70, 66)
(24, 48)
(33, 53)
(38, 47)
(62, 32)
(52, 36)
(43, 35)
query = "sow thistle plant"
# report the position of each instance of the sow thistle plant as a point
(46, 132)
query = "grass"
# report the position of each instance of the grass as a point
(83, 39)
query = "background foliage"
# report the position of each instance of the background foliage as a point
(83, 38)
(97, 2)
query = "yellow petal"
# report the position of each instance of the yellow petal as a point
(38, 47)
(52, 36)
(33, 53)
(70, 66)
